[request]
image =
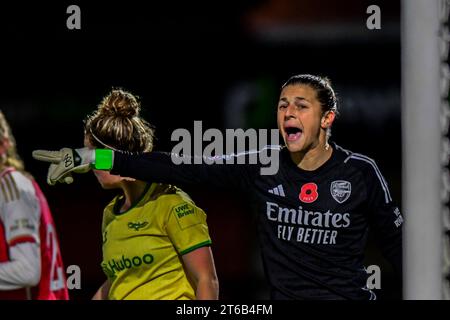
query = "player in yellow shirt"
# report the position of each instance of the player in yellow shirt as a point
(156, 243)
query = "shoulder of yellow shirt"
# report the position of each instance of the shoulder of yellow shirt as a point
(170, 194)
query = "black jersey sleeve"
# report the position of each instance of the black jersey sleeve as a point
(159, 167)
(385, 218)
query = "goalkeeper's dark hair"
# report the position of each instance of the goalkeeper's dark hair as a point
(322, 86)
(117, 124)
(10, 158)
(324, 92)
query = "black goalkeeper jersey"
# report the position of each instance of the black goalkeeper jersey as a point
(312, 225)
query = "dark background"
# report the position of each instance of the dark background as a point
(221, 62)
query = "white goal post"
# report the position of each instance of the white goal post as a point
(425, 90)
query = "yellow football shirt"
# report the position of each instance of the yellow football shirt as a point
(142, 247)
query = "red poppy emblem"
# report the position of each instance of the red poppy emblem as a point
(308, 193)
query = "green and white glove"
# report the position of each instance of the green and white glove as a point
(66, 161)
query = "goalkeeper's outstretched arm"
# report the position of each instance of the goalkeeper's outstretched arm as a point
(66, 161)
(154, 166)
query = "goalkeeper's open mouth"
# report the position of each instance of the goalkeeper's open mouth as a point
(292, 133)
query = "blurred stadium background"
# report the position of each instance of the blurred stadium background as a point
(220, 62)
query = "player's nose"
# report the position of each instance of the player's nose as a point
(290, 112)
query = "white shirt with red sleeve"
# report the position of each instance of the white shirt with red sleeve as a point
(20, 261)
(30, 260)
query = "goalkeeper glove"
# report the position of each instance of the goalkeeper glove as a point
(66, 161)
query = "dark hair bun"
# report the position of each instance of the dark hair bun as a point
(120, 103)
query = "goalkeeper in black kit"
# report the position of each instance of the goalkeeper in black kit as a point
(313, 215)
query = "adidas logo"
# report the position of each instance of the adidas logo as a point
(278, 191)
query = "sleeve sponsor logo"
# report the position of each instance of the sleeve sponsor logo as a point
(186, 216)
(399, 220)
(184, 210)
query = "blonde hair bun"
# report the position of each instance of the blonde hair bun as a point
(120, 103)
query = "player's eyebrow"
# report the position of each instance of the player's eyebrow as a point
(302, 99)
(284, 99)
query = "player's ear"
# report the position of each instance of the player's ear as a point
(327, 119)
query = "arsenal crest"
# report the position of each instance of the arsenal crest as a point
(341, 190)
